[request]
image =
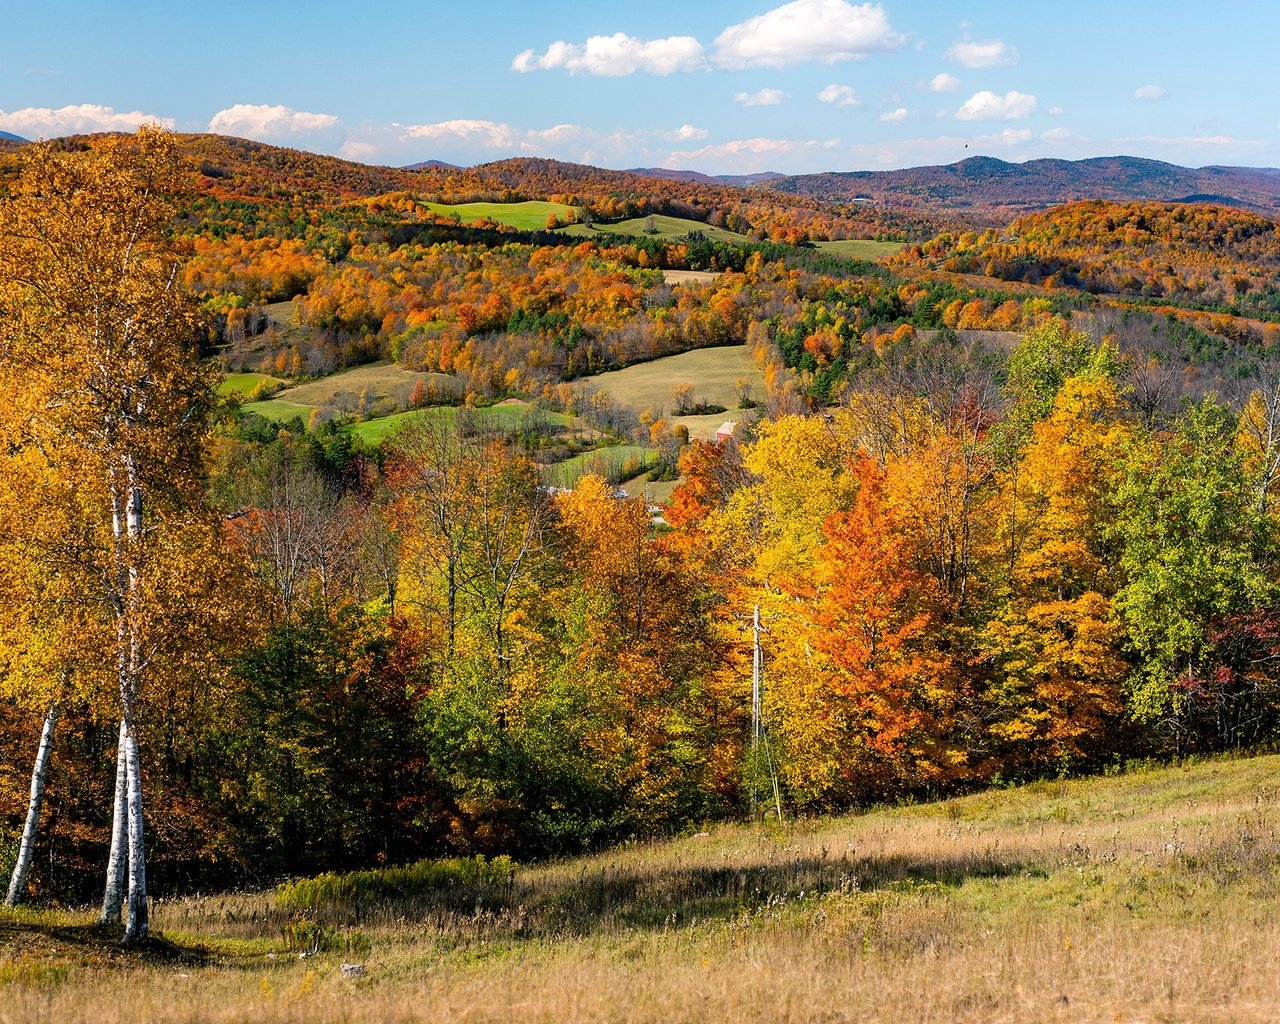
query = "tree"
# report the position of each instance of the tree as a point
(97, 339)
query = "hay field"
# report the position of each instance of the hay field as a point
(1149, 897)
(665, 228)
(711, 371)
(527, 216)
(859, 248)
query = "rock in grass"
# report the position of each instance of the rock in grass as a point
(353, 970)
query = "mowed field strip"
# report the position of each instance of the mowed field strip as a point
(654, 226)
(526, 216)
(713, 372)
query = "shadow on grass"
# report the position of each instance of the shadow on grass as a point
(658, 897)
(94, 941)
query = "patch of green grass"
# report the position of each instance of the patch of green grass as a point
(665, 228)
(527, 216)
(505, 416)
(280, 410)
(860, 248)
(713, 372)
(615, 463)
(244, 383)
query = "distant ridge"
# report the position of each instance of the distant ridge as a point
(983, 182)
(425, 165)
(739, 180)
(10, 137)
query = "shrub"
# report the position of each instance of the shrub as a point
(458, 880)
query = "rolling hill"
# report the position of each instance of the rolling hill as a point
(983, 183)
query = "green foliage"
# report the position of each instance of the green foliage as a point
(458, 881)
(1192, 550)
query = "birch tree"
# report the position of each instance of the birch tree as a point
(96, 344)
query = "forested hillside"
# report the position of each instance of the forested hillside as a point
(1006, 504)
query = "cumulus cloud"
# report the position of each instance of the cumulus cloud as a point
(615, 55)
(686, 133)
(944, 82)
(1150, 93)
(762, 98)
(747, 155)
(807, 30)
(840, 95)
(266, 122)
(484, 134)
(987, 106)
(893, 116)
(987, 54)
(50, 123)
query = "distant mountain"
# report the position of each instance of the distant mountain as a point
(426, 165)
(10, 137)
(983, 183)
(739, 180)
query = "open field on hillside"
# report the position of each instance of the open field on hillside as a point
(689, 276)
(507, 415)
(387, 385)
(243, 383)
(613, 462)
(527, 216)
(711, 371)
(1146, 897)
(860, 248)
(656, 226)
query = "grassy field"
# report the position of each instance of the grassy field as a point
(506, 415)
(243, 383)
(528, 216)
(667, 228)
(611, 462)
(860, 248)
(387, 384)
(711, 371)
(1141, 898)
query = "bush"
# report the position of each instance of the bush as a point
(458, 880)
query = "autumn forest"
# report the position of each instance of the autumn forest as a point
(1006, 502)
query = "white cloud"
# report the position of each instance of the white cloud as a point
(944, 82)
(807, 30)
(615, 55)
(987, 54)
(893, 116)
(361, 152)
(265, 122)
(840, 95)
(987, 106)
(763, 98)
(686, 133)
(757, 154)
(1151, 93)
(1057, 111)
(484, 134)
(1059, 135)
(49, 123)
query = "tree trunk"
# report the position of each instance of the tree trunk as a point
(136, 925)
(113, 899)
(26, 850)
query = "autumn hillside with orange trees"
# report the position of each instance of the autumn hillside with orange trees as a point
(288, 651)
(1200, 256)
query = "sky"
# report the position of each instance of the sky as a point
(724, 88)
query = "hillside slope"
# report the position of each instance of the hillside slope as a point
(1149, 896)
(985, 183)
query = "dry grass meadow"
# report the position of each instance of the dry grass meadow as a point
(1149, 897)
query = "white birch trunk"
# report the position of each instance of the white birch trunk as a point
(113, 898)
(27, 848)
(136, 924)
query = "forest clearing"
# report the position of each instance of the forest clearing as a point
(1145, 896)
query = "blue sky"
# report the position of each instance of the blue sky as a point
(804, 86)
